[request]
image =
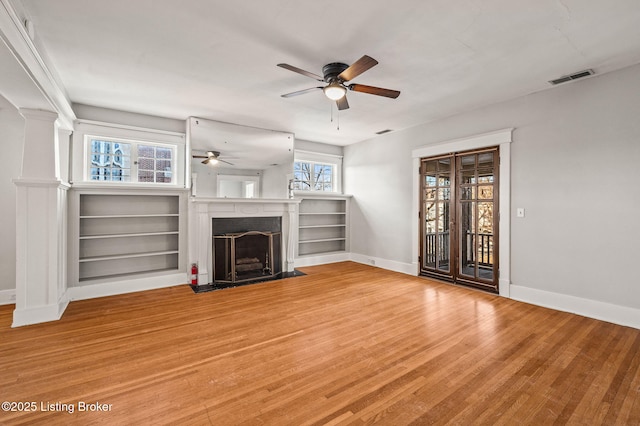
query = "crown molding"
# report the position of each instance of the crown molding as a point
(15, 36)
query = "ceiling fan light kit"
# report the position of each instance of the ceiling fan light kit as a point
(336, 74)
(334, 91)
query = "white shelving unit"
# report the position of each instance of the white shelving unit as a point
(322, 225)
(127, 233)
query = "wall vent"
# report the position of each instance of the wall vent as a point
(574, 76)
(382, 132)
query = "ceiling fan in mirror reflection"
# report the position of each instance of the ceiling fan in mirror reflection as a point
(212, 158)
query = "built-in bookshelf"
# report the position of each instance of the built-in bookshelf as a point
(127, 234)
(322, 225)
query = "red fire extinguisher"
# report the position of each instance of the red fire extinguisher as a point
(194, 274)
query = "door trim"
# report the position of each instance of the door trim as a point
(501, 138)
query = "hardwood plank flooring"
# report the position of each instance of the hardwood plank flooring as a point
(347, 344)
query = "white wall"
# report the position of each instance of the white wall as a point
(378, 175)
(11, 144)
(322, 148)
(575, 165)
(275, 181)
(88, 112)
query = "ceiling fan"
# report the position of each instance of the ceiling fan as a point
(336, 74)
(212, 157)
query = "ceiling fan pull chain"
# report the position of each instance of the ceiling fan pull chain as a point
(337, 115)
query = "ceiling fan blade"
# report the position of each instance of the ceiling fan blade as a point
(301, 71)
(342, 103)
(222, 161)
(300, 92)
(206, 161)
(199, 156)
(374, 90)
(357, 68)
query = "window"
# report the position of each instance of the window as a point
(312, 176)
(317, 172)
(108, 154)
(155, 164)
(110, 161)
(115, 160)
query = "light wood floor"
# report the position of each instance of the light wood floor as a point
(346, 344)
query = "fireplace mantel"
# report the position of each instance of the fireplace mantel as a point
(244, 200)
(203, 210)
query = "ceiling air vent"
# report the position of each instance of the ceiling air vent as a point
(382, 132)
(573, 76)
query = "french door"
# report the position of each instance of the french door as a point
(459, 218)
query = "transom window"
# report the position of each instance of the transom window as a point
(115, 160)
(312, 176)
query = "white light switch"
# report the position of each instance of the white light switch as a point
(520, 212)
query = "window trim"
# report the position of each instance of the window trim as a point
(81, 156)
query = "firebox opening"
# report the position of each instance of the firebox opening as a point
(247, 250)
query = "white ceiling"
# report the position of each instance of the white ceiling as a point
(217, 59)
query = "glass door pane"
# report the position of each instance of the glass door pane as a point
(476, 204)
(444, 252)
(467, 239)
(436, 214)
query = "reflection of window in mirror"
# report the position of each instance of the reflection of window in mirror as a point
(235, 186)
(243, 150)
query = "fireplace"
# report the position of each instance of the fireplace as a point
(246, 249)
(209, 217)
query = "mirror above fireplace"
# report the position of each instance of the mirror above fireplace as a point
(264, 155)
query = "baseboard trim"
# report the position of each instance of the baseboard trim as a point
(391, 265)
(321, 259)
(504, 288)
(8, 297)
(130, 285)
(40, 314)
(616, 314)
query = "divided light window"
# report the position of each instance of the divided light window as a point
(113, 160)
(311, 176)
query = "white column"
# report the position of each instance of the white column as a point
(204, 257)
(41, 216)
(63, 155)
(291, 225)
